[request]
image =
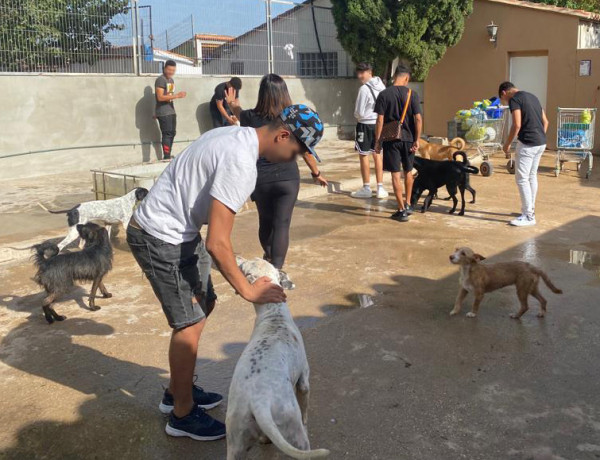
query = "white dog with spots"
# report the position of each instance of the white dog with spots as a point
(268, 396)
(114, 211)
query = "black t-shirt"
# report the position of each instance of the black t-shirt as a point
(220, 96)
(390, 103)
(532, 122)
(267, 171)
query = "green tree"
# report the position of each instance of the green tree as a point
(417, 31)
(587, 5)
(43, 35)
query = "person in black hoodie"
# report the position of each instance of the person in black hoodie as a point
(278, 184)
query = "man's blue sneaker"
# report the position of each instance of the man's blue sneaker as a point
(204, 400)
(197, 425)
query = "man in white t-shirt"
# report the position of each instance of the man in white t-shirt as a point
(208, 183)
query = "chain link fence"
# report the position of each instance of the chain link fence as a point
(229, 37)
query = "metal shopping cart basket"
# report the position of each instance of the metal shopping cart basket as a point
(575, 138)
(489, 136)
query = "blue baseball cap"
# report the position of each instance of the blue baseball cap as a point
(304, 123)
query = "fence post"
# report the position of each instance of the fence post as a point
(135, 38)
(139, 41)
(269, 36)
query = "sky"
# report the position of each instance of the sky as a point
(225, 17)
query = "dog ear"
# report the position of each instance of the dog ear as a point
(285, 281)
(140, 193)
(478, 257)
(83, 231)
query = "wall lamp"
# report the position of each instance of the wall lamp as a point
(492, 30)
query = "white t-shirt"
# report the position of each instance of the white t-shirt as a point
(221, 164)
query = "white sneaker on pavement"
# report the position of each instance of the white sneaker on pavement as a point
(362, 193)
(523, 221)
(382, 193)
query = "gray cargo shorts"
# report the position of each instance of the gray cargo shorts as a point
(175, 272)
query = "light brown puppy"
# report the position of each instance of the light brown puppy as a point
(479, 279)
(439, 152)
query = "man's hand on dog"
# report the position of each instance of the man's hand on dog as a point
(264, 291)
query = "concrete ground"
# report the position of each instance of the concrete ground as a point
(393, 376)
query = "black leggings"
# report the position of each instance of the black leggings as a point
(275, 203)
(168, 126)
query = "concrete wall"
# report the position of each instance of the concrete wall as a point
(473, 69)
(62, 112)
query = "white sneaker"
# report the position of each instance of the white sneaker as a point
(382, 193)
(362, 193)
(523, 221)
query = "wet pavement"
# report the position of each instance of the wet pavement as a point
(392, 375)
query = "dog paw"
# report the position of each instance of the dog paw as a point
(108, 295)
(94, 307)
(451, 211)
(515, 316)
(453, 313)
(540, 315)
(461, 213)
(60, 317)
(471, 315)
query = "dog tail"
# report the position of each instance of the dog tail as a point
(546, 279)
(471, 169)
(458, 143)
(461, 153)
(61, 211)
(265, 421)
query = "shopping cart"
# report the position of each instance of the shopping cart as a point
(489, 138)
(575, 138)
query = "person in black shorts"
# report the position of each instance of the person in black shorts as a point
(220, 111)
(164, 87)
(365, 131)
(277, 184)
(399, 153)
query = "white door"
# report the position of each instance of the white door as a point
(530, 73)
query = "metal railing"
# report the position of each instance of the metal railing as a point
(232, 37)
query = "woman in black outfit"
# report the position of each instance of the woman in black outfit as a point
(278, 184)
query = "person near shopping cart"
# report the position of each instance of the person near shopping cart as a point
(164, 87)
(529, 126)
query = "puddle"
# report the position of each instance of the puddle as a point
(585, 259)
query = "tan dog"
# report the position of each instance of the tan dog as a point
(439, 152)
(479, 279)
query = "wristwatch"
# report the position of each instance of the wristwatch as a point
(316, 175)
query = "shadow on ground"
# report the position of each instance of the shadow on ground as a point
(400, 379)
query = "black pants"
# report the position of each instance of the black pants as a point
(218, 119)
(275, 203)
(168, 126)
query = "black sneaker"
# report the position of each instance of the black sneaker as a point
(197, 425)
(202, 398)
(400, 216)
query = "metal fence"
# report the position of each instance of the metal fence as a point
(225, 37)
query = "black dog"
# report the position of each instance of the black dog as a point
(58, 272)
(435, 174)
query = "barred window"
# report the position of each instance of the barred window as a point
(311, 64)
(237, 68)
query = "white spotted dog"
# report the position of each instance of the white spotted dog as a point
(268, 396)
(117, 210)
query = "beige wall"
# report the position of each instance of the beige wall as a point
(473, 69)
(61, 112)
